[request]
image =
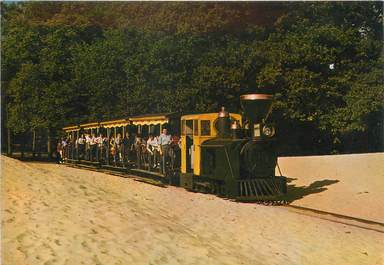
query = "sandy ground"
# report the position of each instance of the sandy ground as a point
(351, 185)
(53, 214)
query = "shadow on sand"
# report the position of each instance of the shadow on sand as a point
(295, 193)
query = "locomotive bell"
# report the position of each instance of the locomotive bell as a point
(223, 113)
(256, 108)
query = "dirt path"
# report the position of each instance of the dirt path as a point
(53, 214)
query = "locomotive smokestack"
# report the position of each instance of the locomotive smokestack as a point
(256, 108)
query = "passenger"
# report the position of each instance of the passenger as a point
(92, 147)
(164, 143)
(149, 146)
(137, 139)
(112, 145)
(68, 148)
(126, 147)
(64, 146)
(81, 146)
(99, 147)
(88, 146)
(152, 148)
(59, 152)
(175, 140)
(119, 144)
(72, 146)
(144, 152)
(105, 148)
(158, 151)
(132, 138)
(138, 150)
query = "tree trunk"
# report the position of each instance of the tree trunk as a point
(34, 143)
(22, 145)
(49, 147)
(9, 142)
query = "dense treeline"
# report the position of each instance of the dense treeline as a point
(68, 62)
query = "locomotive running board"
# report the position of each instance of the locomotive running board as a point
(115, 168)
(148, 174)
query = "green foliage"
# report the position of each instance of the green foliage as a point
(302, 49)
(72, 62)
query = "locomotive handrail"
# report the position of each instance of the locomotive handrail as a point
(213, 145)
(229, 163)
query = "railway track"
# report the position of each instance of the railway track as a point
(315, 213)
(336, 218)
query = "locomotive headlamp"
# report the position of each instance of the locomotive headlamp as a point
(269, 130)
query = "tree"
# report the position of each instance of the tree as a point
(306, 43)
(65, 63)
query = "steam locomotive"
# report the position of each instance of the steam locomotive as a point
(240, 162)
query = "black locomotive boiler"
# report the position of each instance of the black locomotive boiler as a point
(240, 162)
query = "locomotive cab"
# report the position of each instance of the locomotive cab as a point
(195, 130)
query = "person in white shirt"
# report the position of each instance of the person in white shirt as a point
(64, 147)
(165, 140)
(119, 143)
(88, 146)
(152, 148)
(99, 140)
(99, 146)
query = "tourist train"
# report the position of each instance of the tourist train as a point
(221, 153)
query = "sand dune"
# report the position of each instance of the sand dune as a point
(53, 214)
(351, 185)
